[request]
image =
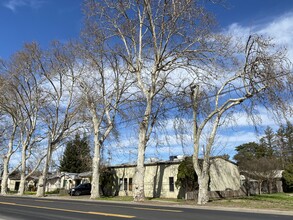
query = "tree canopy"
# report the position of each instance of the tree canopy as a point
(273, 152)
(278, 145)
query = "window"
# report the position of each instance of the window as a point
(171, 184)
(130, 184)
(125, 184)
(121, 184)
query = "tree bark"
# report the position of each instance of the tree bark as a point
(43, 178)
(95, 191)
(203, 182)
(6, 161)
(5, 175)
(139, 195)
(259, 187)
(22, 172)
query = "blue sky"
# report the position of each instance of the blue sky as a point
(46, 20)
(251, 12)
(37, 20)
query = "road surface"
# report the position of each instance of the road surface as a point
(38, 208)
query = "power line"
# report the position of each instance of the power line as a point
(211, 96)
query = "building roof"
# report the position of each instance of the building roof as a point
(147, 164)
(169, 162)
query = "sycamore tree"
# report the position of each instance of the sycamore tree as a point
(59, 108)
(258, 74)
(154, 39)
(103, 90)
(169, 46)
(9, 131)
(23, 77)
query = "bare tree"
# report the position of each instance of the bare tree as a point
(154, 38)
(103, 86)
(23, 77)
(263, 78)
(59, 109)
(9, 125)
(8, 137)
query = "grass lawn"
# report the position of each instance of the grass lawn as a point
(278, 201)
(117, 198)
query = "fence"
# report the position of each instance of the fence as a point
(218, 194)
(252, 188)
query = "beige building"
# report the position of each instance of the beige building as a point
(66, 180)
(13, 182)
(160, 178)
(224, 175)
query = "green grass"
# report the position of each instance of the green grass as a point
(130, 199)
(273, 197)
(56, 191)
(165, 200)
(116, 198)
(30, 193)
(12, 192)
(278, 201)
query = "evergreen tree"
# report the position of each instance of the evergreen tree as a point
(288, 178)
(268, 141)
(250, 151)
(76, 157)
(186, 176)
(289, 143)
(285, 144)
(274, 152)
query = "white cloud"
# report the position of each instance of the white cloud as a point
(280, 29)
(241, 119)
(236, 138)
(238, 31)
(14, 4)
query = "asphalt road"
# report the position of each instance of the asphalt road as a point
(35, 208)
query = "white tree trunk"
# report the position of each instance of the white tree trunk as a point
(22, 184)
(22, 174)
(6, 161)
(144, 130)
(42, 179)
(95, 192)
(40, 190)
(203, 182)
(5, 175)
(139, 195)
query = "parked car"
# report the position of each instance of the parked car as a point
(81, 189)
